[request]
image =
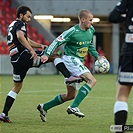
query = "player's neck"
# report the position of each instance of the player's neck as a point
(81, 26)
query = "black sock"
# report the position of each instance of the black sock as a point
(8, 104)
(62, 68)
(120, 118)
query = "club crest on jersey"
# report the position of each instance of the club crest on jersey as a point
(129, 38)
(23, 28)
(82, 52)
(60, 38)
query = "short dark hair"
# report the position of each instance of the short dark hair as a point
(23, 10)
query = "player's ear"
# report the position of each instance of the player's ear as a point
(82, 20)
(20, 15)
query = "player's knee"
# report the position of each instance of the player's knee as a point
(94, 81)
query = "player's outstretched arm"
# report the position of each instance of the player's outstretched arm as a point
(35, 44)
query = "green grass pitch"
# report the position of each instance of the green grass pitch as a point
(97, 106)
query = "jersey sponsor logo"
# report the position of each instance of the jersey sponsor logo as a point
(16, 77)
(13, 51)
(23, 28)
(126, 77)
(80, 43)
(82, 52)
(60, 38)
(129, 38)
(85, 42)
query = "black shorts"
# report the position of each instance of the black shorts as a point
(125, 71)
(21, 63)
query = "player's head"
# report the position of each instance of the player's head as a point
(85, 19)
(24, 13)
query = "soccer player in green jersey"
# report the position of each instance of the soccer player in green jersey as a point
(77, 43)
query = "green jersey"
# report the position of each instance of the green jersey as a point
(76, 42)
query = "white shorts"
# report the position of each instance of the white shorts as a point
(74, 65)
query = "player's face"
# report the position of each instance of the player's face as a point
(27, 17)
(88, 21)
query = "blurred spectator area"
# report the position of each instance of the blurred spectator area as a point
(7, 15)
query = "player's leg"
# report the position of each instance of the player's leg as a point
(61, 98)
(55, 58)
(82, 93)
(76, 67)
(62, 68)
(121, 105)
(123, 88)
(84, 89)
(11, 96)
(57, 100)
(20, 67)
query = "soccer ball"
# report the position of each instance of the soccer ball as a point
(102, 65)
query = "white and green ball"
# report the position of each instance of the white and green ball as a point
(102, 65)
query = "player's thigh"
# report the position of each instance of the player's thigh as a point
(19, 75)
(125, 72)
(74, 65)
(123, 92)
(25, 61)
(21, 65)
(22, 61)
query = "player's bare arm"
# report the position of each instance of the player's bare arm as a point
(35, 44)
(24, 42)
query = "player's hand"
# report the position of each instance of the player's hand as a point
(33, 55)
(44, 46)
(44, 58)
(99, 57)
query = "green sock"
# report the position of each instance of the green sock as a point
(82, 93)
(54, 102)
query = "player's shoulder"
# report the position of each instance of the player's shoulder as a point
(20, 23)
(72, 29)
(69, 32)
(16, 23)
